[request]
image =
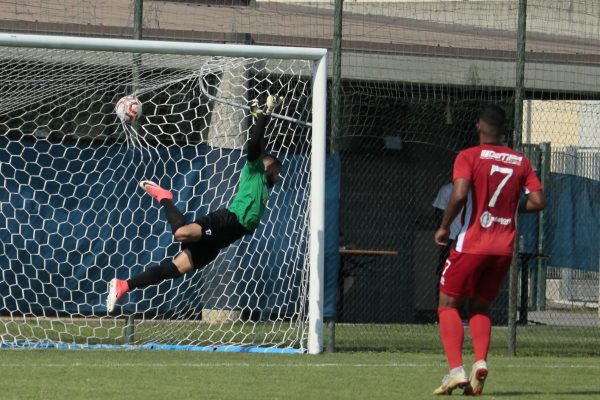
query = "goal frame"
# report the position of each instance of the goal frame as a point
(318, 59)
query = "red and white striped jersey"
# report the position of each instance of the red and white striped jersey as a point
(498, 174)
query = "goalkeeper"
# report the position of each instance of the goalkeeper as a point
(204, 238)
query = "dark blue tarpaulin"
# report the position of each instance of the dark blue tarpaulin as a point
(72, 218)
(332, 232)
(571, 232)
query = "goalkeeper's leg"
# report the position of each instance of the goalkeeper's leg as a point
(165, 198)
(168, 269)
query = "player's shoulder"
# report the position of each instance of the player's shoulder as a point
(470, 153)
(498, 153)
(253, 168)
(447, 187)
(508, 150)
(255, 164)
(498, 148)
(445, 190)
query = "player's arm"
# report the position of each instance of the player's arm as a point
(256, 143)
(535, 201)
(461, 177)
(457, 201)
(438, 215)
(440, 203)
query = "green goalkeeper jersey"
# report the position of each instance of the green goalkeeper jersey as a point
(251, 199)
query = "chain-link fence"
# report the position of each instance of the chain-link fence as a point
(413, 76)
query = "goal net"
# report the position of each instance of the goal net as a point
(73, 216)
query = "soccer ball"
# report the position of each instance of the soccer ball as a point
(128, 109)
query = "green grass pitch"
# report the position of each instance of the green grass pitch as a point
(394, 362)
(108, 374)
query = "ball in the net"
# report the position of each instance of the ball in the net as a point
(128, 109)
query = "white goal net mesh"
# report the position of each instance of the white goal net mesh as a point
(73, 217)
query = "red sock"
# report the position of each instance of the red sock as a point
(480, 327)
(453, 334)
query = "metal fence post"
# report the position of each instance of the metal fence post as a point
(336, 114)
(517, 134)
(546, 154)
(138, 13)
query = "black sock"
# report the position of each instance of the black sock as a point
(174, 216)
(154, 275)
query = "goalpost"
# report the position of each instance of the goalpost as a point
(73, 216)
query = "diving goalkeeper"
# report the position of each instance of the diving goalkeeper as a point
(202, 240)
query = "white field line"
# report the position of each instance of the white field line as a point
(273, 365)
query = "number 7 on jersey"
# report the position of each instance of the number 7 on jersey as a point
(508, 172)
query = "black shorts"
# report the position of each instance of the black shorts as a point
(219, 229)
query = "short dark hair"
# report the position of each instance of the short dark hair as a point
(274, 159)
(495, 117)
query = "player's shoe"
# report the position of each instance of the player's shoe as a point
(477, 378)
(116, 290)
(156, 191)
(457, 378)
(272, 103)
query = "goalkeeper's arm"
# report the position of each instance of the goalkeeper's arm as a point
(256, 144)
